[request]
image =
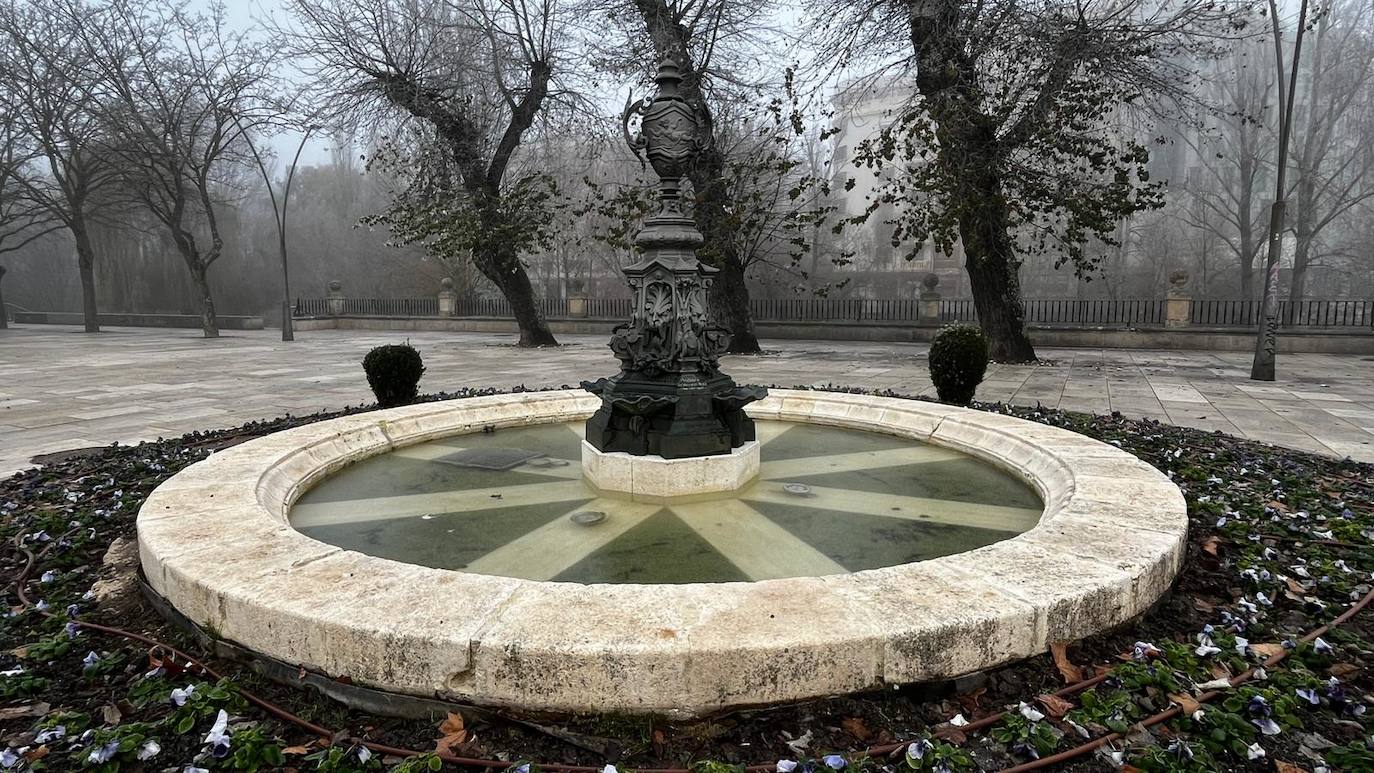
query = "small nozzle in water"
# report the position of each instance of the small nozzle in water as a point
(797, 489)
(587, 517)
(546, 462)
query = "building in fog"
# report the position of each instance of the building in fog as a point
(880, 268)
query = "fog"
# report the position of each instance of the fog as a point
(1214, 152)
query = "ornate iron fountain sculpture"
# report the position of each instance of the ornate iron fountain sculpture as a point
(670, 397)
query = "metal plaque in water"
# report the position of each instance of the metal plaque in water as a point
(489, 458)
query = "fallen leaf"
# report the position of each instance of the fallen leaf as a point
(1294, 586)
(36, 754)
(452, 733)
(1277, 505)
(1203, 605)
(1343, 670)
(969, 701)
(949, 733)
(1210, 545)
(110, 714)
(1267, 650)
(27, 710)
(1287, 767)
(855, 726)
(1220, 671)
(1070, 672)
(160, 658)
(1054, 705)
(1185, 702)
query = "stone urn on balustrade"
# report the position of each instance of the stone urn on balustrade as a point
(577, 298)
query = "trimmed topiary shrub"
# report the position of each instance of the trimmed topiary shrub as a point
(958, 360)
(393, 372)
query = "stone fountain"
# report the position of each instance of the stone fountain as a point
(881, 541)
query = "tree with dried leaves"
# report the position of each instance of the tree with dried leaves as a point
(465, 82)
(1010, 145)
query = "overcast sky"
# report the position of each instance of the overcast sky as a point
(245, 14)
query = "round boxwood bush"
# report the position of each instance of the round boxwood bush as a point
(393, 372)
(958, 360)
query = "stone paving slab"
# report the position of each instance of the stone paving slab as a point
(62, 389)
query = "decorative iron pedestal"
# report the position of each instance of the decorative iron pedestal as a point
(670, 398)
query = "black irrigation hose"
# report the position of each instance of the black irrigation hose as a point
(334, 738)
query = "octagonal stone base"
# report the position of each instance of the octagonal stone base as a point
(655, 479)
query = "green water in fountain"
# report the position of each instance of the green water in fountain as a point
(513, 503)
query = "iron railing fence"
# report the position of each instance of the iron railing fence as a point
(1128, 312)
(1314, 313)
(1068, 312)
(366, 307)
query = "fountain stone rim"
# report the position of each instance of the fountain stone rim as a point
(214, 542)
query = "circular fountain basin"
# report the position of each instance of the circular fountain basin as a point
(883, 541)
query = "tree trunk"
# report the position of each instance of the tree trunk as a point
(1245, 220)
(947, 80)
(85, 257)
(990, 262)
(1302, 250)
(506, 271)
(730, 297)
(1304, 236)
(209, 324)
(4, 313)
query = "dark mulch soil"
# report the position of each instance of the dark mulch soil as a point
(1279, 544)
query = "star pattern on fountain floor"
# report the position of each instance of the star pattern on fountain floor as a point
(517, 522)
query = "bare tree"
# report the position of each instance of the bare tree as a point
(181, 91)
(473, 78)
(22, 219)
(1234, 152)
(52, 100)
(1333, 158)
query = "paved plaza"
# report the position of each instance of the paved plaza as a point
(62, 389)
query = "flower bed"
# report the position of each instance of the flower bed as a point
(1279, 545)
